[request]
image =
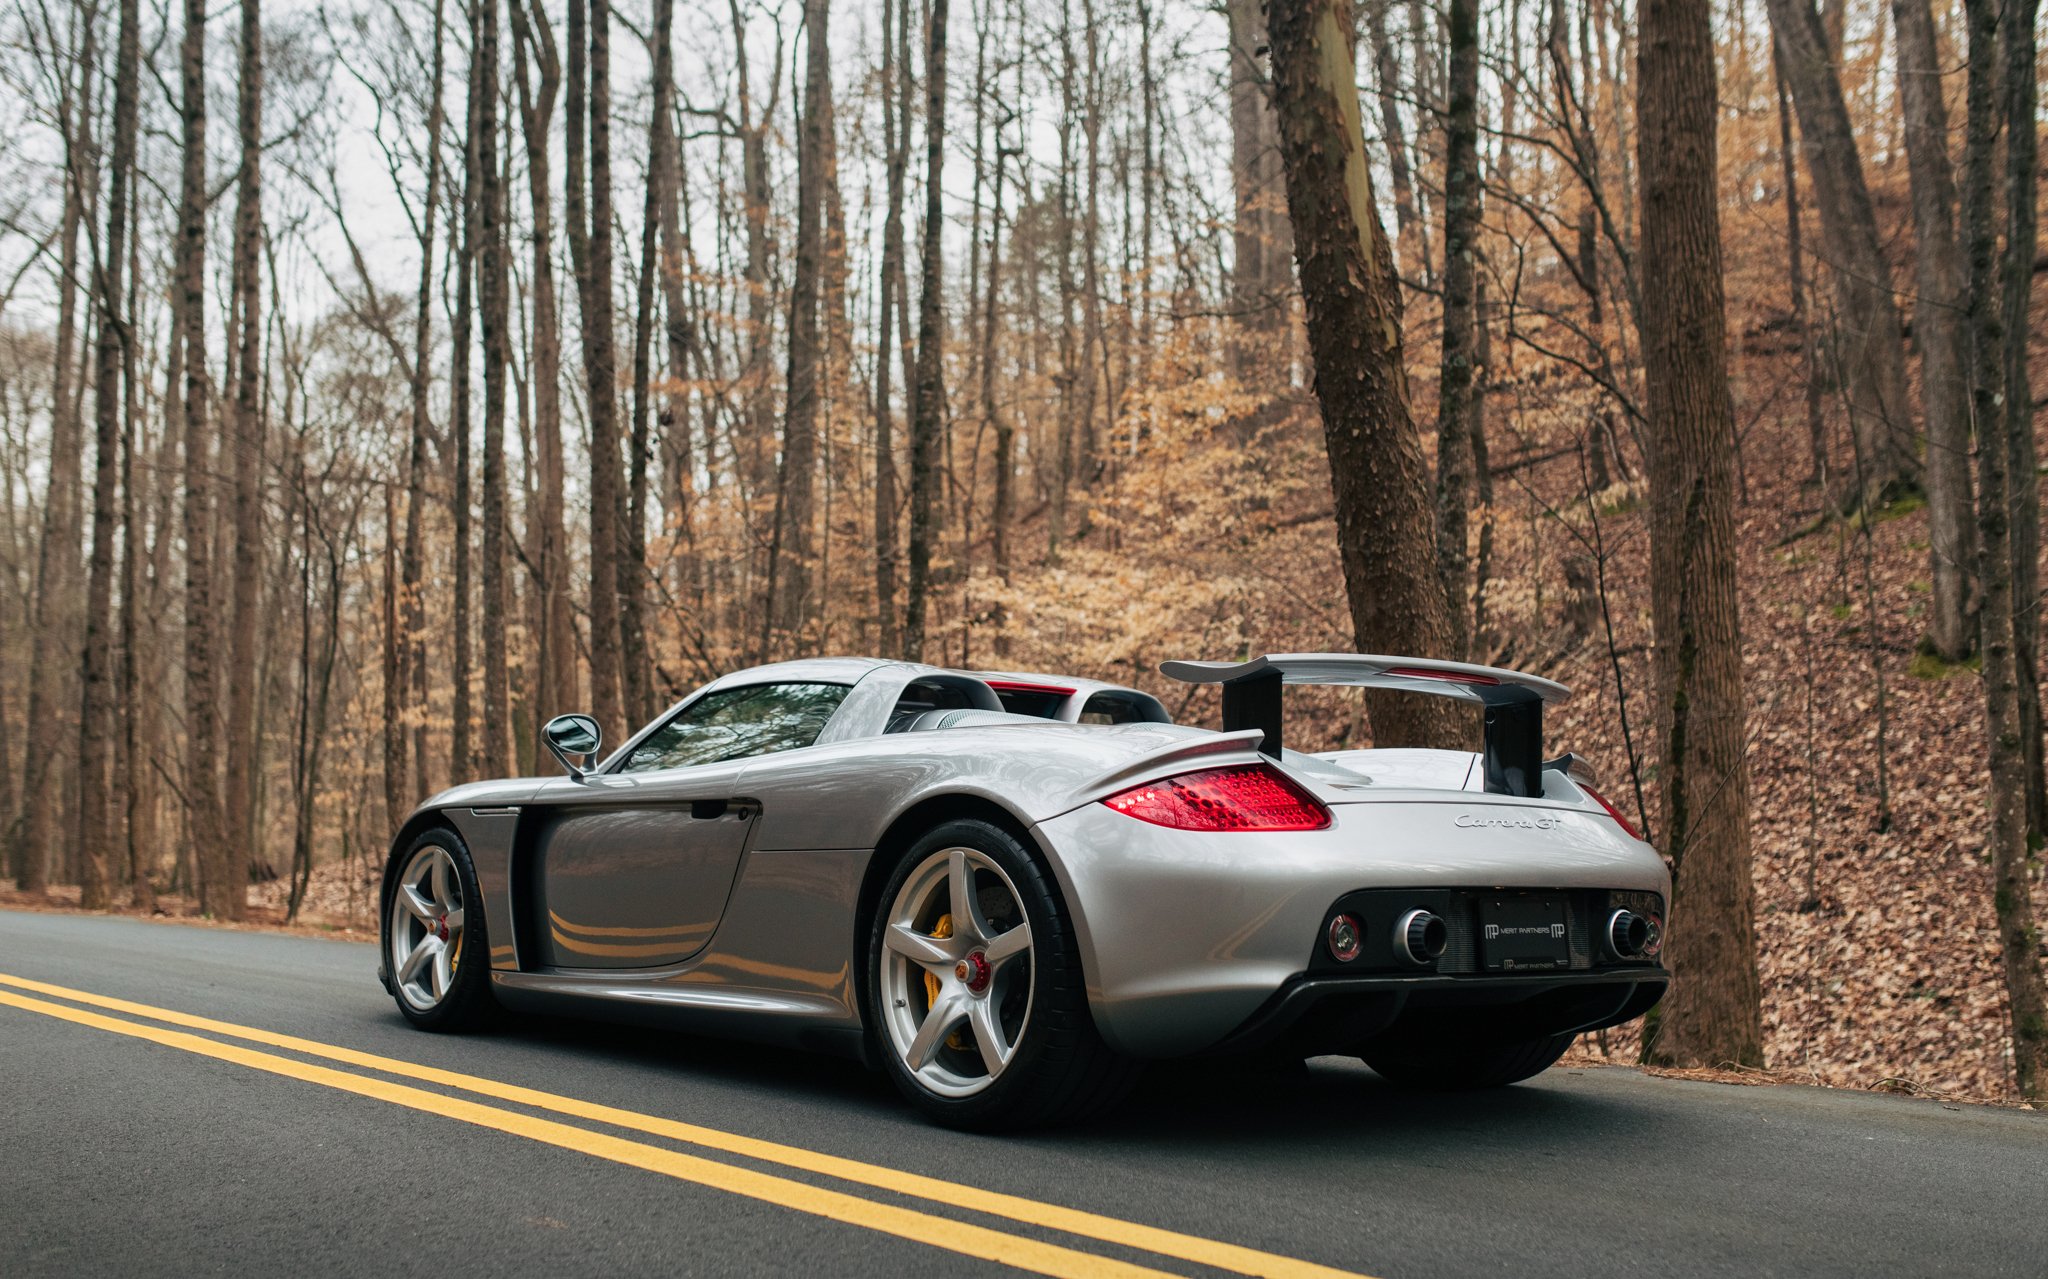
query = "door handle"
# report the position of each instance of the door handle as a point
(706, 809)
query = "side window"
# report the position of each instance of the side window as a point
(737, 723)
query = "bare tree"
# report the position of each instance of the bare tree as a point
(1386, 81)
(462, 760)
(928, 393)
(2020, 90)
(140, 721)
(53, 625)
(1870, 333)
(895, 94)
(246, 441)
(757, 441)
(1456, 385)
(679, 329)
(409, 660)
(1711, 1015)
(1353, 303)
(791, 549)
(607, 503)
(492, 286)
(1938, 329)
(557, 677)
(1795, 271)
(221, 891)
(1997, 313)
(96, 722)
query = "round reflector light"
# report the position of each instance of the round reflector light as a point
(1345, 939)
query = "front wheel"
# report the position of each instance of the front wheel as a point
(974, 988)
(1462, 1066)
(436, 958)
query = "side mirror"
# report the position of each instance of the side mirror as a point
(577, 735)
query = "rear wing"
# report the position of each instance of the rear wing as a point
(1512, 753)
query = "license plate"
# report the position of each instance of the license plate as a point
(1523, 934)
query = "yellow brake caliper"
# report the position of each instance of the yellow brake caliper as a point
(942, 930)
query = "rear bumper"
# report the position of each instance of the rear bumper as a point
(1314, 1015)
(1187, 937)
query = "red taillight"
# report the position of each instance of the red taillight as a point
(1612, 811)
(1243, 797)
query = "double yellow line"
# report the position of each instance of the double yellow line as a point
(1021, 1251)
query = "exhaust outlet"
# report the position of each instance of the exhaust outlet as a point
(1420, 937)
(1628, 934)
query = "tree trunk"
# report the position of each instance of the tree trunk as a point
(96, 722)
(2022, 174)
(896, 139)
(1097, 363)
(791, 608)
(638, 689)
(928, 393)
(1868, 333)
(245, 838)
(462, 762)
(1004, 512)
(678, 329)
(2004, 726)
(53, 628)
(1711, 1015)
(1387, 81)
(391, 669)
(756, 443)
(1258, 245)
(140, 718)
(558, 691)
(601, 364)
(1455, 386)
(1482, 474)
(1353, 304)
(494, 758)
(635, 672)
(1938, 330)
(1069, 379)
(1795, 267)
(221, 883)
(412, 663)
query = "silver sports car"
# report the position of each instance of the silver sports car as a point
(1011, 890)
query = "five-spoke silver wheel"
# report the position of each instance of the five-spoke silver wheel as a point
(956, 972)
(425, 929)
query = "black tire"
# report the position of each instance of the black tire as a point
(1062, 1071)
(467, 1003)
(1465, 1066)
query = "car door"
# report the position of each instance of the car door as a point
(637, 863)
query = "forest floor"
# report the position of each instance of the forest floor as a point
(1877, 953)
(335, 906)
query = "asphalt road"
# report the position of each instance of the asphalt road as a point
(130, 1144)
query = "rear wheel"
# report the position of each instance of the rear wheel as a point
(974, 988)
(436, 957)
(1463, 1065)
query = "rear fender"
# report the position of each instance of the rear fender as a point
(1207, 752)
